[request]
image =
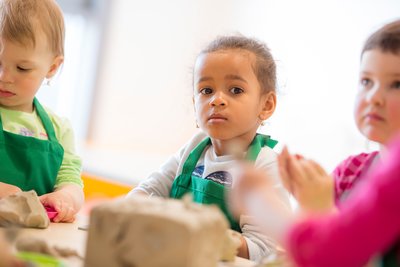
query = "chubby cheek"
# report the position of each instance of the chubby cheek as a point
(30, 86)
(393, 114)
(200, 111)
(358, 110)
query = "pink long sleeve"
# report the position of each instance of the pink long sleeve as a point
(367, 225)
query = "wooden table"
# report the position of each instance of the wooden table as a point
(65, 235)
(68, 235)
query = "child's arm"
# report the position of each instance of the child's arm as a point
(340, 239)
(8, 189)
(67, 200)
(159, 183)
(336, 239)
(243, 250)
(68, 197)
(257, 243)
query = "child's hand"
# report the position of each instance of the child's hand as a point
(8, 189)
(254, 194)
(312, 187)
(63, 203)
(249, 180)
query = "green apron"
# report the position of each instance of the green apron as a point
(206, 191)
(31, 163)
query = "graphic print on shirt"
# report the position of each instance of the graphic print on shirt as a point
(26, 132)
(221, 177)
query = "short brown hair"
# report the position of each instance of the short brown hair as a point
(20, 19)
(264, 68)
(387, 39)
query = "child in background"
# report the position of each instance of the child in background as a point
(377, 110)
(377, 113)
(234, 92)
(372, 207)
(36, 146)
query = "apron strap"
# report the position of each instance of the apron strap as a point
(259, 141)
(195, 155)
(1, 131)
(48, 125)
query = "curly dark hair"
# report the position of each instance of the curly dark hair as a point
(264, 67)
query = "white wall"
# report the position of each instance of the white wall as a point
(143, 109)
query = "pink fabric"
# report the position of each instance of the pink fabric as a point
(367, 225)
(350, 171)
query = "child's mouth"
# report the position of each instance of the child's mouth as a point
(4, 93)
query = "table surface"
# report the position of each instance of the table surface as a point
(67, 235)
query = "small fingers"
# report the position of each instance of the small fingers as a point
(69, 216)
(318, 168)
(285, 179)
(65, 214)
(296, 172)
(283, 158)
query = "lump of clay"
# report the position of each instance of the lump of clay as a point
(155, 232)
(230, 246)
(23, 209)
(37, 245)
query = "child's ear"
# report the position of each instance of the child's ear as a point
(58, 60)
(194, 104)
(268, 105)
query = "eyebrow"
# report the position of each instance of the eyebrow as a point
(205, 79)
(234, 77)
(227, 77)
(392, 74)
(26, 62)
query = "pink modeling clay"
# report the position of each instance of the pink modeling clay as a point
(51, 212)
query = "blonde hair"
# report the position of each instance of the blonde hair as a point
(20, 21)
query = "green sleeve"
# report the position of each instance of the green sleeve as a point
(71, 167)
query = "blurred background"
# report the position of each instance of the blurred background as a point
(126, 84)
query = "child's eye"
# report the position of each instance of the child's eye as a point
(206, 91)
(396, 85)
(22, 69)
(236, 90)
(365, 82)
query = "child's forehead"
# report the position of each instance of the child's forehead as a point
(230, 52)
(37, 40)
(378, 61)
(20, 42)
(220, 56)
(379, 55)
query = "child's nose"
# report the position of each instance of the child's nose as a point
(218, 100)
(5, 75)
(375, 95)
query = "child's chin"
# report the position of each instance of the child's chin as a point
(219, 135)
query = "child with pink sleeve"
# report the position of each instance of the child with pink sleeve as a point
(367, 226)
(366, 187)
(377, 105)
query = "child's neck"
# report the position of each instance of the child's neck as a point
(232, 146)
(29, 110)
